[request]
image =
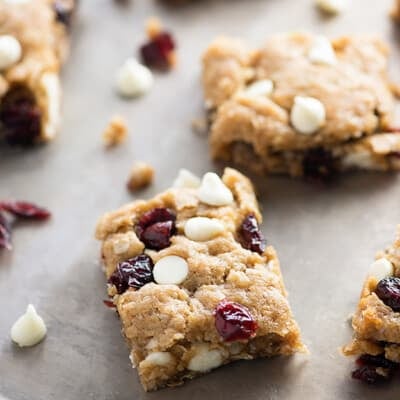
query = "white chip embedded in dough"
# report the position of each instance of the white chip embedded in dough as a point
(213, 191)
(322, 52)
(170, 270)
(29, 329)
(263, 87)
(10, 51)
(186, 179)
(201, 229)
(307, 115)
(160, 358)
(205, 359)
(381, 268)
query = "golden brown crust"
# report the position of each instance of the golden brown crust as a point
(376, 326)
(355, 92)
(177, 320)
(44, 42)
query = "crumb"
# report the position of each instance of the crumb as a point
(200, 125)
(153, 27)
(141, 176)
(116, 132)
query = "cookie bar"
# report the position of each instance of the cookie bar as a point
(274, 109)
(193, 282)
(33, 46)
(376, 322)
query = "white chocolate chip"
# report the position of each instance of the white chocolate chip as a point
(321, 52)
(331, 6)
(262, 87)
(213, 191)
(170, 270)
(186, 179)
(160, 358)
(205, 359)
(202, 229)
(381, 268)
(307, 115)
(133, 79)
(10, 51)
(29, 329)
(361, 159)
(51, 86)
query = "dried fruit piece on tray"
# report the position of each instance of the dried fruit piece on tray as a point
(33, 46)
(193, 281)
(301, 105)
(376, 322)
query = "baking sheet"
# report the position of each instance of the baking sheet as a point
(326, 237)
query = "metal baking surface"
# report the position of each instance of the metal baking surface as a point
(326, 237)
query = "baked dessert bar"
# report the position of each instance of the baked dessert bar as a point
(301, 105)
(396, 10)
(193, 282)
(33, 46)
(376, 322)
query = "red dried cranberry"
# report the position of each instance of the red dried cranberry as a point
(156, 227)
(319, 166)
(23, 209)
(374, 369)
(234, 321)
(368, 374)
(156, 53)
(20, 117)
(5, 233)
(109, 304)
(134, 273)
(251, 236)
(388, 290)
(376, 361)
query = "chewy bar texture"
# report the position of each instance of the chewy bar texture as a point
(301, 104)
(33, 46)
(376, 322)
(193, 282)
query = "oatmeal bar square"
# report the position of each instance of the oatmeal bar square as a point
(193, 281)
(33, 46)
(301, 104)
(376, 322)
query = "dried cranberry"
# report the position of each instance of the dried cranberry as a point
(157, 52)
(109, 304)
(156, 227)
(388, 290)
(319, 165)
(374, 369)
(234, 321)
(23, 209)
(376, 361)
(20, 117)
(134, 273)
(251, 236)
(5, 233)
(64, 10)
(368, 374)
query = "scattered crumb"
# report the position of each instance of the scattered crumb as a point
(153, 27)
(349, 319)
(116, 132)
(141, 176)
(332, 7)
(395, 13)
(200, 125)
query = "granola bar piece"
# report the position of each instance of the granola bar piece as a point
(193, 282)
(376, 322)
(271, 109)
(33, 46)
